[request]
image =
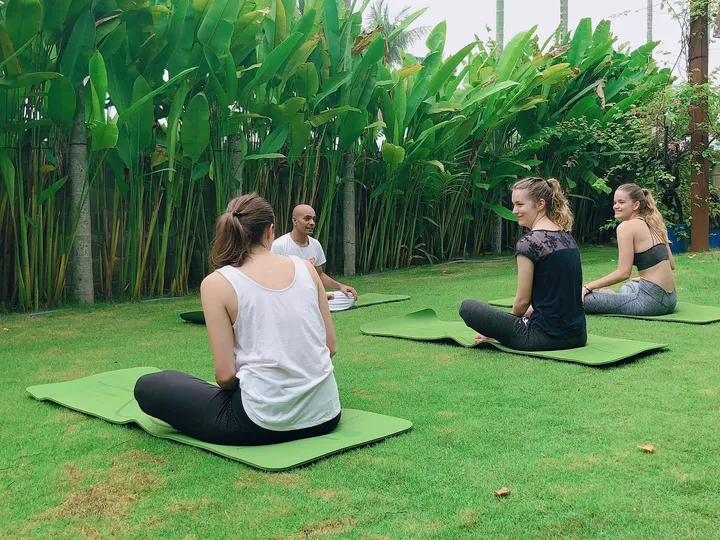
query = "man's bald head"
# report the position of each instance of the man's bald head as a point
(303, 220)
(302, 210)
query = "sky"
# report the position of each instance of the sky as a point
(628, 22)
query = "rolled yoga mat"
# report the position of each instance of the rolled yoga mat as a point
(367, 299)
(425, 326)
(110, 396)
(685, 312)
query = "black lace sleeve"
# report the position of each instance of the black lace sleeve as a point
(529, 246)
(537, 244)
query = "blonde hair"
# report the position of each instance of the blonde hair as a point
(557, 207)
(648, 209)
(240, 227)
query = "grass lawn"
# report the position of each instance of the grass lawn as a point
(562, 437)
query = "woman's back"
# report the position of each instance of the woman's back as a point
(644, 243)
(557, 282)
(283, 363)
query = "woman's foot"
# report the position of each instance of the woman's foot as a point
(479, 338)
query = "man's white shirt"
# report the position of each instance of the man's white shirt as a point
(313, 252)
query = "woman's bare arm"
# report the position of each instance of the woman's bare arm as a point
(214, 292)
(324, 311)
(523, 297)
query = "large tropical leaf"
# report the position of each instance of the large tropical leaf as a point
(501, 211)
(447, 69)
(275, 140)
(140, 125)
(55, 13)
(195, 132)
(23, 18)
(61, 101)
(374, 54)
(135, 107)
(435, 41)
(351, 129)
(98, 85)
(307, 81)
(173, 127)
(272, 64)
(103, 134)
(9, 54)
(76, 56)
(300, 132)
(28, 79)
(216, 28)
(332, 84)
(330, 114)
(299, 57)
(330, 19)
(393, 155)
(580, 42)
(512, 53)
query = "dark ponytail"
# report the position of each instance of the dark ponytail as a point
(240, 227)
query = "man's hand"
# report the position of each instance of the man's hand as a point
(330, 296)
(347, 291)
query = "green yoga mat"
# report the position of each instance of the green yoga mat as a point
(425, 326)
(110, 396)
(364, 300)
(685, 312)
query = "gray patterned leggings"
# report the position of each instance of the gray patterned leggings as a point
(635, 298)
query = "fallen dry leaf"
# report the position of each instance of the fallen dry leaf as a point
(649, 448)
(444, 271)
(691, 256)
(6, 329)
(503, 492)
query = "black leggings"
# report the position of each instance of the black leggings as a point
(513, 331)
(209, 413)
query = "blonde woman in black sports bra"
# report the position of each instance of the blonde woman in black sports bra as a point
(642, 242)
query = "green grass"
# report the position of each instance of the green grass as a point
(561, 437)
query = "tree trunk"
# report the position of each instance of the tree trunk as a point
(236, 162)
(349, 233)
(81, 254)
(349, 202)
(649, 20)
(563, 19)
(699, 168)
(497, 222)
(500, 25)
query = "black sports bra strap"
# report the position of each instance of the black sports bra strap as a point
(654, 236)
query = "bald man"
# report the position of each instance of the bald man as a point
(299, 242)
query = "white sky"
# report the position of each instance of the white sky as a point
(628, 22)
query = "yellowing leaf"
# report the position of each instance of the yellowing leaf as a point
(649, 448)
(406, 72)
(502, 492)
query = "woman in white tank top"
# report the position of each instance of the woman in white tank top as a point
(272, 341)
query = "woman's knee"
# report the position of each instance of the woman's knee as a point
(146, 387)
(467, 308)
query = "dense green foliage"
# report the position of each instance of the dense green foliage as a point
(187, 104)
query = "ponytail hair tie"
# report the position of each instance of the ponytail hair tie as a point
(237, 215)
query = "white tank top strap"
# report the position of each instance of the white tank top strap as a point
(302, 273)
